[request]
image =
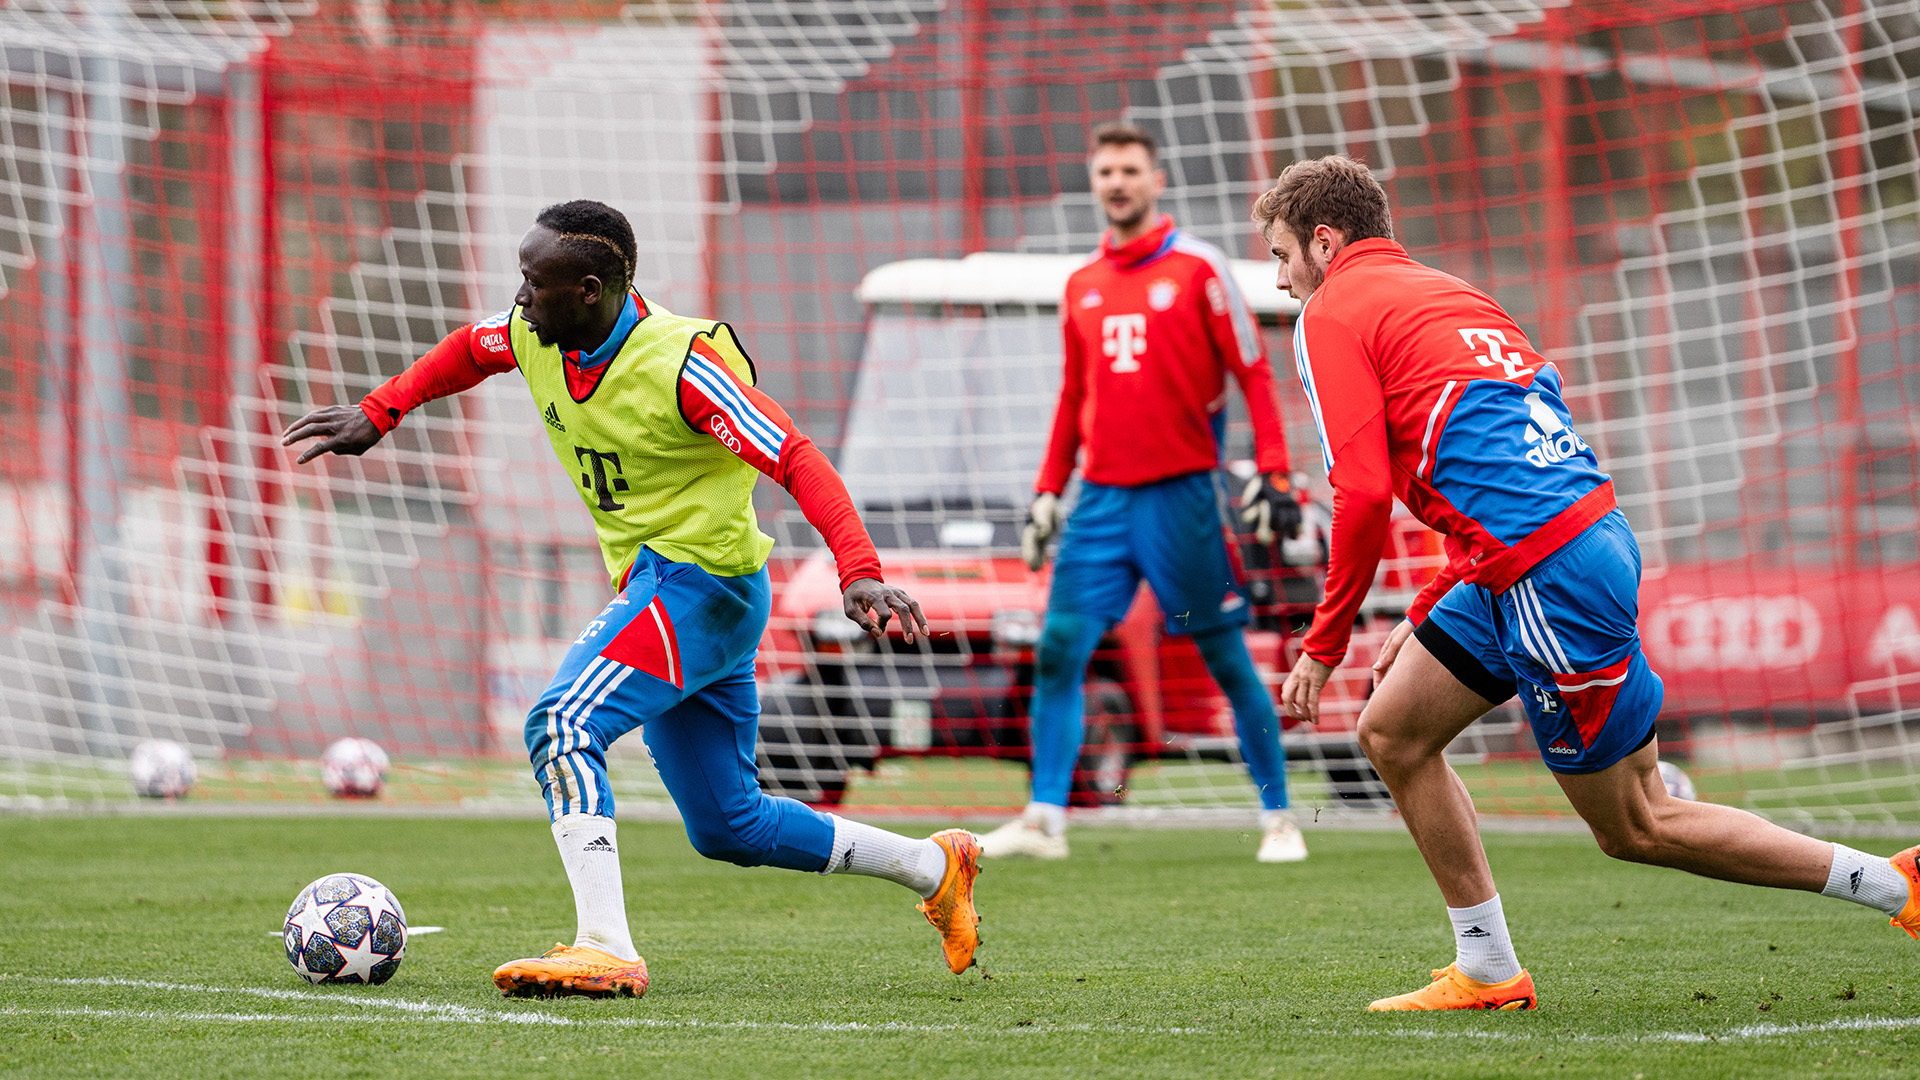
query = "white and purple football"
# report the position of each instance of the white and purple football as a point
(346, 928)
(161, 769)
(354, 768)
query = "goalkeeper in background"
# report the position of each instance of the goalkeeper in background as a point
(656, 418)
(1153, 325)
(1424, 390)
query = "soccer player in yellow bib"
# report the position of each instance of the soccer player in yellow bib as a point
(656, 417)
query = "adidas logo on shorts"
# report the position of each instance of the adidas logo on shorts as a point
(1560, 747)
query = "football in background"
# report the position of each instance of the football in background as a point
(161, 769)
(354, 768)
(1679, 785)
(346, 928)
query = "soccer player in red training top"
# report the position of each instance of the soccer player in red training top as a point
(656, 418)
(1153, 325)
(1423, 389)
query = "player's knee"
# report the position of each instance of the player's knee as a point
(1388, 754)
(1631, 841)
(716, 840)
(1225, 653)
(1057, 657)
(743, 836)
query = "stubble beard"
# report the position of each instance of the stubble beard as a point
(1127, 221)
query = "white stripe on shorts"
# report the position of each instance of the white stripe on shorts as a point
(1546, 628)
(1523, 622)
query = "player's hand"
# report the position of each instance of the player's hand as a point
(871, 603)
(1268, 505)
(1390, 649)
(341, 429)
(1043, 520)
(1300, 695)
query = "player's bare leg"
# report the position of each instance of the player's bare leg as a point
(1634, 819)
(1415, 713)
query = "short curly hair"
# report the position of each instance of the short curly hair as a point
(1334, 191)
(596, 234)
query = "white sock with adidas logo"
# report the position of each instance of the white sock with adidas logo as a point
(863, 849)
(1867, 880)
(590, 850)
(1482, 950)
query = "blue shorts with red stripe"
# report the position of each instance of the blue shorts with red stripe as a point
(674, 655)
(1566, 638)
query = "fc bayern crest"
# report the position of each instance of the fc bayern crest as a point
(1161, 294)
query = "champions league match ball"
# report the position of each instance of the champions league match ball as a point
(354, 768)
(346, 928)
(161, 769)
(1679, 785)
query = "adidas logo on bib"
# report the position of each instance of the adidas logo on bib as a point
(552, 417)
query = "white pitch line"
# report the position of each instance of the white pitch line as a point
(448, 1013)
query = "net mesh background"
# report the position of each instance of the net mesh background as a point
(214, 217)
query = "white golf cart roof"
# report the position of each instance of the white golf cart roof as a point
(1000, 277)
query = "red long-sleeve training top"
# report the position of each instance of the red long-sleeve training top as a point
(1151, 330)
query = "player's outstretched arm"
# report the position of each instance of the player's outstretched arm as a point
(459, 362)
(341, 429)
(871, 603)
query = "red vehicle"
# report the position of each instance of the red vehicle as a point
(947, 422)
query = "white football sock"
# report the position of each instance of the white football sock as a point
(1867, 880)
(863, 849)
(589, 849)
(1046, 817)
(1482, 950)
(1273, 819)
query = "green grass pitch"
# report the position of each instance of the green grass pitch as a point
(139, 947)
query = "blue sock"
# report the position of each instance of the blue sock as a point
(1058, 714)
(1225, 651)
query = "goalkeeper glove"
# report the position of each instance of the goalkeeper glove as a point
(1268, 505)
(1043, 520)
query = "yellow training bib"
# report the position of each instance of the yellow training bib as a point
(648, 478)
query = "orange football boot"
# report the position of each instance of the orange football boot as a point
(1908, 863)
(950, 908)
(567, 970)
(1452, 990)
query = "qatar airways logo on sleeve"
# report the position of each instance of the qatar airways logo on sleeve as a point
(1124, 338)
(1495, 346)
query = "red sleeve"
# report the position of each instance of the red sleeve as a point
(1362, 513)
(823, 498)
(1350, 409)
(716, 401)
(1063, 445)
(1236, 340)
(461, 361)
